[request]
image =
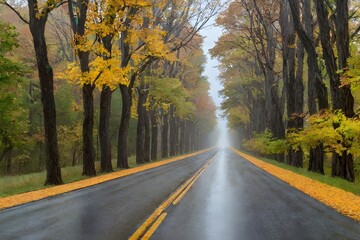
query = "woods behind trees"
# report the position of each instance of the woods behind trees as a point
(290, 73)
(127, 73)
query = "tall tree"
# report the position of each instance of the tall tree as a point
(316, 87)
(78, 17)
(342, 99)
(38, 16)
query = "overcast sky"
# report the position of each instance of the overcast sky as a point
(211, 35)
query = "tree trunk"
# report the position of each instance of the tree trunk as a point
(316, 87)
(87, 134)
(122, 157)
(88, 101)
(173, 132)
(37, 29)
(73, 163)
(147, 142)
(154, 135)
(187, 136)
(104, 124)
(291, 81)
(182, 136)
(316, 161)
(342, 98)
(140, 133)
(165, 136)
(9, 161)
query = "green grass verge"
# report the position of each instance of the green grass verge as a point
(327, 179)
(11, 185)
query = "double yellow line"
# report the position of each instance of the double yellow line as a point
(150, 225)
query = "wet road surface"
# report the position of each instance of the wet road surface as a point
(234, 200)
(112, 210)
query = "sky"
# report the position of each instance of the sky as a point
(211, 34)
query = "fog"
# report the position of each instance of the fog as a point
(211, 34)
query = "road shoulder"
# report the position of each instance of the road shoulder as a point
(344, 202)
(23, 198)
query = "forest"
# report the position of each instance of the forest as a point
(290, 71)
(92, 83)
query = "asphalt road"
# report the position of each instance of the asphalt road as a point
(112, 210)
(234, 200)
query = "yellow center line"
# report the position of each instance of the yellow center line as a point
(142, 229)
(27, 197)
(192, 183)
(153, 228)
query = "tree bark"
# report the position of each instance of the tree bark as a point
(147, 141)
(291, 80)
(37, 29)
(122, 157)
(88, 101)
(182, 136)
(140, 133)
(165, 136)
(173, 132)
(316, 87)
(87, 134)
(154, 135)
(342, 98)
(104, 124)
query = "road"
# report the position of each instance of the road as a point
(231, 199)
(112, 210)
(234, 200)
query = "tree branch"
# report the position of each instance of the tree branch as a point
(15, 11)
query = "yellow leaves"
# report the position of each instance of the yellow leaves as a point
(102, 73)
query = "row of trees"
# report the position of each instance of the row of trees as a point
(279, 60)
(149, 51)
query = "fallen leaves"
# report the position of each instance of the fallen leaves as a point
(344, 202)
(23, 198)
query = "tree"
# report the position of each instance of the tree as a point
(78, 17)
(38, 16)
(343, 164)
(13, 122)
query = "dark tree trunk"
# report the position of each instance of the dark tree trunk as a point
(342, 98)
(122, 157)
(316, 161)
(9, 161)
(88, 101)
(104, 124)
(147, 141)
(154, 135)
(87, 134)
(182, 136)
(73, 163)
(187, 136)
(165, 136)
(173, 132)
(37, 29)
(316, 87)
(140, 133)
(291, 81)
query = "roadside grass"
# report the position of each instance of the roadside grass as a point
(11, 185)
(327, 179)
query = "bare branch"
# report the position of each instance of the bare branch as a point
(3, 2)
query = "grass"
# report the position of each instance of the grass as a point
(11, 185)
(327, 179)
